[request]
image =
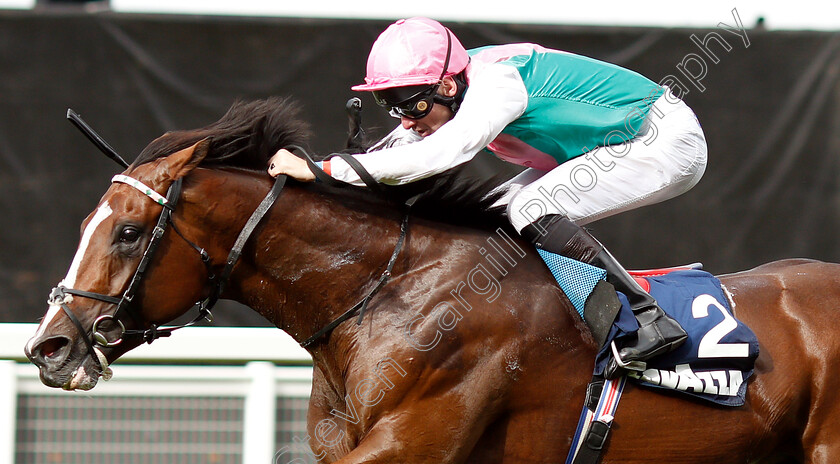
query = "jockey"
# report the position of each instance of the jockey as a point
(596, 140)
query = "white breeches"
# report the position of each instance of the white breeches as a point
(666, 159)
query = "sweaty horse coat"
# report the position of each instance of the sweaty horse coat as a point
(458, 359)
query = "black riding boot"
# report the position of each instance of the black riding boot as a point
(658, 333)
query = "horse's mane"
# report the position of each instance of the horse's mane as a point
(250, 132)
(245, 137)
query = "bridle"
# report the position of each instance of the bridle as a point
(61, 295)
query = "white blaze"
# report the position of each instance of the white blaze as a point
(69, 281)
(102, 213)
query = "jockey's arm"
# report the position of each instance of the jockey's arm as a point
(495, 98)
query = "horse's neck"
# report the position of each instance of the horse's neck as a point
(313, 257)
(332, 257)
(310, 259)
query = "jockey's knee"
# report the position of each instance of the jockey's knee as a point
(698, 167)
(525, 208)
(692, 168)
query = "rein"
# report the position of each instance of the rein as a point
(376, 187)
(361, 306)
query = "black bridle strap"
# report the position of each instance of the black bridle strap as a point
(235, 252)
(122, 303)
(202, 253)
(204, 307)
(95, 296)
(81, 329)
(58, 297)
(165, 219)
(361, 306)
(376, 187)
(322, 176)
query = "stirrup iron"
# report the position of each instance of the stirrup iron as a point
(639, 366)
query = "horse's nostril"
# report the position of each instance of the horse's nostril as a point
(51, 346)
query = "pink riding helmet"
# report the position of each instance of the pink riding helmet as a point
(412, 52)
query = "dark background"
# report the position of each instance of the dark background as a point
(769, 111)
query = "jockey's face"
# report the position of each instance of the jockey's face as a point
(427, 125)
(437, 117)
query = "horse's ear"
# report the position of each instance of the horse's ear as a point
(182, 162)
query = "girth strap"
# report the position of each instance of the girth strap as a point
(589, 441)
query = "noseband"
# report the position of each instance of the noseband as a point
(61, 295)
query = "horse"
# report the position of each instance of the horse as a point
(468, 353)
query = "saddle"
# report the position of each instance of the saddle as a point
(713, 364)
(719, 355)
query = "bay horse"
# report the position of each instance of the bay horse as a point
(466, 355)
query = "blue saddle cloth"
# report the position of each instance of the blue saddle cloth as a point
(719, 355)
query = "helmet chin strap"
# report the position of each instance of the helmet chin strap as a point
(454, 102)
(450, 102)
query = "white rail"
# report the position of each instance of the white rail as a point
(256, 364)
(218, 344)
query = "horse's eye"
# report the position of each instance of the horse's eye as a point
(129, 234)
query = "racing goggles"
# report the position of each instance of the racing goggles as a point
(412, 102)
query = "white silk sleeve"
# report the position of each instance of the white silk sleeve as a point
(398, 136)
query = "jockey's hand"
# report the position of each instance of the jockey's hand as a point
(285, 162)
